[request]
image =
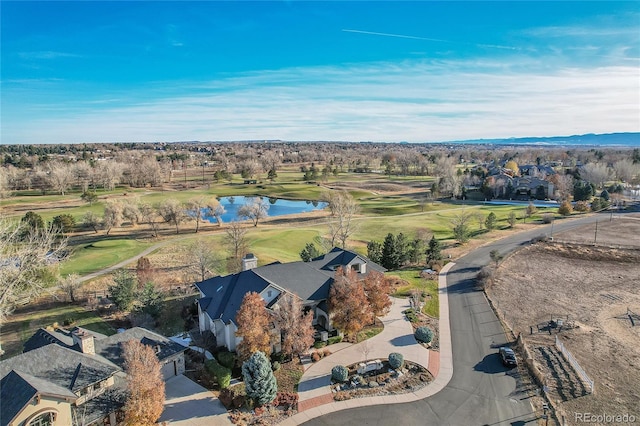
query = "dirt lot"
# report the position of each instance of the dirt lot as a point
(591, 287)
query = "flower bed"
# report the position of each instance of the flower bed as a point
(384, 381)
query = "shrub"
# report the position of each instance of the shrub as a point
(339, 373)
(286, 400)
(581, 206)
(424, 334)
(484, 277)
(396, 360)
(315, 357)
(223, 374)
(547, 218)
(325, 352)
(227, 359)
(565, 208)
(333, 340)
(319, 345)
(259, 381)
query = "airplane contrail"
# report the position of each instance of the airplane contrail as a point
(493, 46)
(396, 35)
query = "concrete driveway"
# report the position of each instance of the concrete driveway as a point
(189, 404)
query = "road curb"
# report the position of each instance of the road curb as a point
(441, 380)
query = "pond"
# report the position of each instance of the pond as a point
(276, 207)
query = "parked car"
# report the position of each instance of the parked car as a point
(508, 357)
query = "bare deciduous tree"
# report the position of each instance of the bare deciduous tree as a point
(196, 210)
(625, 170)
(145, 401)
(131, 213)
(205, 261)
(112, 217)
(70, 284)
(91, 220)
(461, 226)
(215, 209)
(4, 183)
(295, 326)
(109, 174)
(235, 238)
(173, 212)
(60, 177)
(255, 210)
(345, 209)
(149, 214)
(595, 173)
(26, 259)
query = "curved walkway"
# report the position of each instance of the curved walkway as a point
(315, 397)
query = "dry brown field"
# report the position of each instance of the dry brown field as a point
(595, 291)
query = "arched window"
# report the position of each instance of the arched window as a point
(44, 419)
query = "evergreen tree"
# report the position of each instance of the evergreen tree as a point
(150, 299)
(259, 381)
(374, 251)
(309, 252)
(416, 248)
(63, 223)
(32, 221)
(389, 253)
(402, 249)
(123, 293)
(490, 222)
(434, 251)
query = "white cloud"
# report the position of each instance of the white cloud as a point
(413, 101)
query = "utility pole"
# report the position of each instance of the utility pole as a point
(595, 238)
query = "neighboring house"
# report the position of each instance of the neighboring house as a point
(520, 187)
(221, 297)
(75, 377)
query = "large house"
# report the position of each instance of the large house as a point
(75, 377)
(310, 281)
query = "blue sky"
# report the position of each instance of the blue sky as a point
(118, 71)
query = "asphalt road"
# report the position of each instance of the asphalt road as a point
(481, 391)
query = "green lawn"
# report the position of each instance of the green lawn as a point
(285, 245)
(98, 255)
(428, 287)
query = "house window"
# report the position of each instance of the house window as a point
(356, 267)
(44, 419)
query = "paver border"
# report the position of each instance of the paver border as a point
(442, 378)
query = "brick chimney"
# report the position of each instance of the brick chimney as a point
(84, 339)
(249, 261)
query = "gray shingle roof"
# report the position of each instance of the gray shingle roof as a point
(43, 337)
(60, 366)
(113, 398)
(111, 347)
(311, 281)
(226, 293)
(301, 278)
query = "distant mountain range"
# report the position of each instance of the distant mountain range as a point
(608, 139)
